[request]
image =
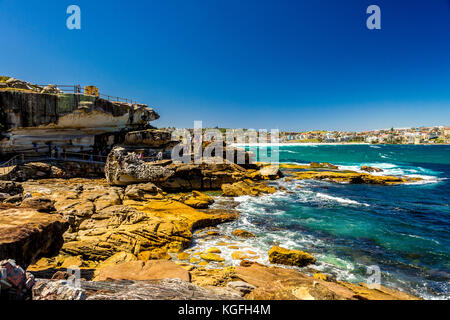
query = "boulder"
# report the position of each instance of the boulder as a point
(14, 199)
(11, 188)
(247, 187)
(140, 270)
(243, 233)
(271, 172)
(27, 234)
(323, 165)
(199, 200)
(124, 168)
(296, 258)
(142, 192)
(371, 169)
(211, 257)
(35, 170)
(15, 283)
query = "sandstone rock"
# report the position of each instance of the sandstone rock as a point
(320, 276)
(287, 284)
(271, 172)
(60, 275)
(32, 117)
(101, 224)
(35, 170)
(72, 262)
(117, 258)
(14, 199)
(290, 257)
(239, 255)
(41, 204)
(246, 187)
(156, 224)
(123, 168)
(199, 200)
(211, 257)
(371, 169)
(4, 196)
(362, 292)
(284, 284)
(142, 192)
(243, 234)
(323, 165)
(184, 256)
(139, 270)
(156, 254)
(11, 188)
(150, 138)
(26, 234)
(212, 277)
(353, 177)
(213, 250)
(241, 286)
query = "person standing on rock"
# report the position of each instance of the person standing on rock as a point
(159, 156)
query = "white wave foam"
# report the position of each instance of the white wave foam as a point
(390, 169)
(340, 200)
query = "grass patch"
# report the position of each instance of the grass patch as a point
(4, 78)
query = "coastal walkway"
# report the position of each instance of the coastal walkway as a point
(8, 166)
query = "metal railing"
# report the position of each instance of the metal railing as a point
(78, 89)
(6, 167)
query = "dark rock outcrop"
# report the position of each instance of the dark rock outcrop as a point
(11, 188)
(26, 234)
(124, 167)
(54, 170)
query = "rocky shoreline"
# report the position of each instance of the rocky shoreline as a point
(128, 240)
(130, 225)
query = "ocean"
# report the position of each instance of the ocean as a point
(404, 230)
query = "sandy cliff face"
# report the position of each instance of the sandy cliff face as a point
(71, 121)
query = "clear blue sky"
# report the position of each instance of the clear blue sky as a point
(293, 65)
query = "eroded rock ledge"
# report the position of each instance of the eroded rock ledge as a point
(31, 120)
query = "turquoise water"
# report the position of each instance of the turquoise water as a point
(404, 229)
